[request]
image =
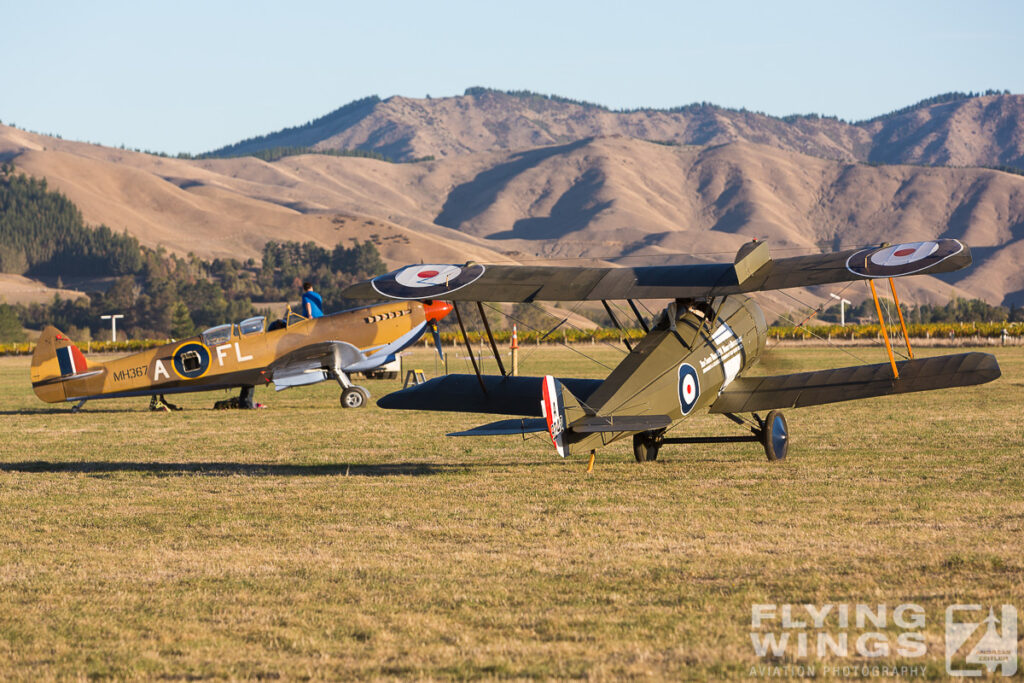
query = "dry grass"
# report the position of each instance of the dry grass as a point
(308, 541)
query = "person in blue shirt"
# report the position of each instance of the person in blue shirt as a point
(312, 304)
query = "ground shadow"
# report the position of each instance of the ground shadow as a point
(223, 469)
(66, 410)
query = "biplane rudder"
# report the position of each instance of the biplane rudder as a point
(560, 409)
(55, 359)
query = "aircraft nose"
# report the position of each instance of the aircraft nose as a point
(435, 310)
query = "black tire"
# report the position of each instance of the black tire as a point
(353, 398)
(645, 446)
(775, 436)
(391, 375)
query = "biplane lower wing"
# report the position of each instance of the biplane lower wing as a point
(748, 394)
(463, 394)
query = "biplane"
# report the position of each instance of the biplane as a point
(696, 353)
(291, 352)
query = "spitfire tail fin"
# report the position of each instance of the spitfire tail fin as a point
(56, 358)
(560, 409)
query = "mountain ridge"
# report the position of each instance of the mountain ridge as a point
(953, 129)
(602, 199)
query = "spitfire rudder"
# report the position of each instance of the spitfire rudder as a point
(56, 357)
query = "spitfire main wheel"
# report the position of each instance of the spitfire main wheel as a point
(352, 398)
(646, 445)
(775, 436)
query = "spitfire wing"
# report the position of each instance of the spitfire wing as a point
(311, 364)
(753, 270)
(748, 394)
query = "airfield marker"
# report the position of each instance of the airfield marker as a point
(515, 351)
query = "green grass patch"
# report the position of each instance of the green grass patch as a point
(304, 540)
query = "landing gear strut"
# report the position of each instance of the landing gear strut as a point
(771, 432)
(352, 395)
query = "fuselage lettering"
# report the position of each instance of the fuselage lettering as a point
(130, 373)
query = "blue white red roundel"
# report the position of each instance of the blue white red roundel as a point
(426, 281)
(689, 388)
(902, 259)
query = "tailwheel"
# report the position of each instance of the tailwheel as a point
(646, 445)
(352, 397)
(775, 436)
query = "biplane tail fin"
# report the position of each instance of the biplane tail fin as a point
(560, 409)
(748, 394)
(55, 360)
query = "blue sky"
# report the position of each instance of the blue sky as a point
(192, 76)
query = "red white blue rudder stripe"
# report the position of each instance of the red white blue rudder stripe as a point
(553, 408)
(70, 360)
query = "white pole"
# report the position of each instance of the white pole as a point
(113, 324)
(842, 308)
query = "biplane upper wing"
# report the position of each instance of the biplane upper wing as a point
(748, 394)
(753, 270)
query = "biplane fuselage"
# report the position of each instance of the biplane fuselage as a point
(226, 356)
(678, 372)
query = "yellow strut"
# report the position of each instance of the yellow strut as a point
(903, 324)
(590, 466)
(885, 333)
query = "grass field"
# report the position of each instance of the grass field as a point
(304, 540)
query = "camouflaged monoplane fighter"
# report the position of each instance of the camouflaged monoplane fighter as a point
(292, 352)
(695, 355)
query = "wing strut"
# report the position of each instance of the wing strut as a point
(472, 358)
(885, 333)
(903, 324)
(615, 321)
(639, 318)
(490, 338)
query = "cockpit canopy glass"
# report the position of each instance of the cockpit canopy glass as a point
(215, 336)
(251, 326)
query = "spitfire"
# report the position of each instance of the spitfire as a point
(698, 354)
(292, 352)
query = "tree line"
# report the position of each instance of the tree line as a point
(161, 294)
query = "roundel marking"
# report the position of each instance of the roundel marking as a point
(426, 281)
(689, 388)
(191, 360)
(901, 259)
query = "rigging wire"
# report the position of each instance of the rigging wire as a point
(829, 342)
(535, 329)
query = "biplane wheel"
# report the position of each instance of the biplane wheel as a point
(775, 436)
(646, 446)
(352, 398)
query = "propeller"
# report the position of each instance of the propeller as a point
(437, 338)
(435, 311)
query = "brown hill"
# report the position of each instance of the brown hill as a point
(611, 199)
(951, 130)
